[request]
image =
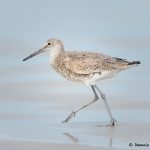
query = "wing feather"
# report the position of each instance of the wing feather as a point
(86, 62)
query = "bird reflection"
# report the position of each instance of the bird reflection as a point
(76, 140)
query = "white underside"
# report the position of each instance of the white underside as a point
(53, 54)
(98, 76)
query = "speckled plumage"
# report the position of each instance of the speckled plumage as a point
(86, 67)
(81, 66)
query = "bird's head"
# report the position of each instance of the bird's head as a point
(52, 45)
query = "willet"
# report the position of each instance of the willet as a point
(84, 67)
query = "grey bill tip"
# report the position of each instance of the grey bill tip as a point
(34, 54)
(27, 57)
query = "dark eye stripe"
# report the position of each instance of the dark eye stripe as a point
(49, 44)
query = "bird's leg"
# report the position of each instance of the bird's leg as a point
(73, 113)
(112, 120)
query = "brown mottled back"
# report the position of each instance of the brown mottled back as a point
(87, 62)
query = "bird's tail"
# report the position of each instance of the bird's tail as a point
(130, 64)
(134, 63)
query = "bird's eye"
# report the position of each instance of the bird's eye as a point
(48, 43)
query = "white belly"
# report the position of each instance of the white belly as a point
(100, 76)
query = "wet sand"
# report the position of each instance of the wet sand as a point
(37, 125)
(86, 136)
(28, 145)
(34, 100)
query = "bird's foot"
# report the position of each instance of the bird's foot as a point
(72, 114)
(112, 122)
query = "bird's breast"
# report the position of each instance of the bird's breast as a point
(60, 67)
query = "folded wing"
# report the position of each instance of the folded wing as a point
(87, 63)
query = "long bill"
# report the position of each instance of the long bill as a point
(34, 54)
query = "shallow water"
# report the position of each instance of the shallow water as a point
(41, 122)
(34, 100)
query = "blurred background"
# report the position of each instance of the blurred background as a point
(32, 89)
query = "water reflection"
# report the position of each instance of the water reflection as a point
(98, 140)
(109, 137)
(73, 138)
(37, 121)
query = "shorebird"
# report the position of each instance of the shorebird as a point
(84, 67)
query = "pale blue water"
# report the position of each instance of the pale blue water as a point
(34, 99)
(30, 121)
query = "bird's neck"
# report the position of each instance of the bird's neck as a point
(55, 53)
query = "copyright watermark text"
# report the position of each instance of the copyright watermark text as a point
(135, 144)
